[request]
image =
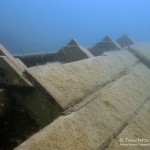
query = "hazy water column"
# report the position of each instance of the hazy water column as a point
(43, 26)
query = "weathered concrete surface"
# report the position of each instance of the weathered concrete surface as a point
(107, 44)
(138, 129)
(16, 62)
(73, 51)
(96, 123)
(37, 59)
(19, 62)
(142, 51)
(125, 41)
(70, 83)
(12, 74)
(12, 69)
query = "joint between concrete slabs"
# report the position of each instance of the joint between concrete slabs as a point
(80, 105)
(115, 134)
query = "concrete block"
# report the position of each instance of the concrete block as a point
(107, 44)
(125, 41)
(142, 51)
(12, 74)
(37, 59)
(70, 83)
(73, 42)
(73, 51)
(4, 52)
(12, 69)
(16, 62)
(96, 123)
(36, 104)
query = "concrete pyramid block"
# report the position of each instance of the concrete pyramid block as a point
(73, 51)
(106, 44)
(125, 41)
(107, 39)
(73, 42)
(11, 69)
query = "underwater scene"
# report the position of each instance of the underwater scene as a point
(74, 75)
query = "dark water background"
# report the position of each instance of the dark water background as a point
(35, 26)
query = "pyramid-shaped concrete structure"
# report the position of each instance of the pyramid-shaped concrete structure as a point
(106, 44)
(12, 69)
(73, 42)
(125, 41)
(73, 51)
(107, 39)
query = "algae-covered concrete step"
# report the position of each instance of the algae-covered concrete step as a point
(142, 51)
(70, 83)
(134, 136)
(96, 123)
(11, 70)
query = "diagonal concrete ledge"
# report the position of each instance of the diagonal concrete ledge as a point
(12, 74)
(12, 69)
(63, 81)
